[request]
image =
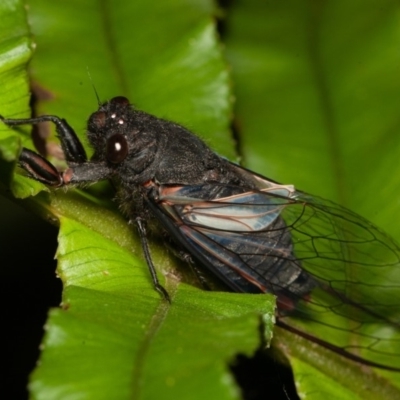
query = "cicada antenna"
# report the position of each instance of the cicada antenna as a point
(93, 86)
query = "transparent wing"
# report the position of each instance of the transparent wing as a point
(357, 267)
(336, 276)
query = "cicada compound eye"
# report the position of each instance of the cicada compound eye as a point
(120, 100)
(117, 148)
(98, 119)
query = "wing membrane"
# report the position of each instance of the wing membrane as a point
(336, 273)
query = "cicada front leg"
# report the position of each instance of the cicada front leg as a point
(80, 169)
(37, 166)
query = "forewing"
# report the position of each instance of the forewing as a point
(257, 241)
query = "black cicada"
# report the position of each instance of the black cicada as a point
(324, 264)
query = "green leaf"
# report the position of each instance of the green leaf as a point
(15, 51)
(318, 93)
(164, 58)
(114, 332)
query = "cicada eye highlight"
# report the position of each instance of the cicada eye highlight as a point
(117, 148)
